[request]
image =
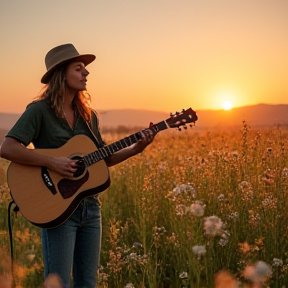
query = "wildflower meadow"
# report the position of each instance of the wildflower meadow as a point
(195, 206)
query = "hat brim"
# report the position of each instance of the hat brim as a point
(85, 58)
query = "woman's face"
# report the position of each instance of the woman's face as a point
(76, 76)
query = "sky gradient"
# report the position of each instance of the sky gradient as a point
(160, 55)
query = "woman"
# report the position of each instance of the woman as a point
(61, 112)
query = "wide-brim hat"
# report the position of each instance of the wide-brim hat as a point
(61, 54)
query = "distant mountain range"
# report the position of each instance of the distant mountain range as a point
(256, 115)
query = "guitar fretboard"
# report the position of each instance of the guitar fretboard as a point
(109, 150)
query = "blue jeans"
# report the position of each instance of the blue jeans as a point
(75, 244)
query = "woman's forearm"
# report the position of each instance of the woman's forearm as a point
(14, 151)
(120, 156)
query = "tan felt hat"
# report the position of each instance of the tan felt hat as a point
(60, 55)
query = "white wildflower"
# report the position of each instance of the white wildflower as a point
(213, 225)
(233, 215)
(183, 275)
(258, 273)
(270, 202)
(221, 197)
(132, 256)
(137, 244)
(196, 209)
(199, 250)
(129, 285)
(177, 191)
(184, 188)
(223, 242)
(263, 271)
(277, 262)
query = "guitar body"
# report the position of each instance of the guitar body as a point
(47, 199)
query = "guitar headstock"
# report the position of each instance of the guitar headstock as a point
(182, 118)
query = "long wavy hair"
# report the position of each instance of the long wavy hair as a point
(56, 89)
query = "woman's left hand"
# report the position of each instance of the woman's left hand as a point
(148, 137)
(138, 147)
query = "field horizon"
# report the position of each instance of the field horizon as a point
(255, 115)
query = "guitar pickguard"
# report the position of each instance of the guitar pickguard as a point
(68, 188)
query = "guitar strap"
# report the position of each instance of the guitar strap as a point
(93, 126)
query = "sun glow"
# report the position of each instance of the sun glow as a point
(227, 105)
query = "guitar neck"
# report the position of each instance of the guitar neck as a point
(110, 149)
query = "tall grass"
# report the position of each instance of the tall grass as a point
(191, 205)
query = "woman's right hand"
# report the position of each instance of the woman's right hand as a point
(63, 166)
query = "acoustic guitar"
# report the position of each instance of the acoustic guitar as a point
(47, 199)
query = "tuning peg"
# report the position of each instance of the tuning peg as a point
(185, 127)
(179, 129)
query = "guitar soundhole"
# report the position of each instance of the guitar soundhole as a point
(81, 166)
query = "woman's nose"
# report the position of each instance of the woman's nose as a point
(85, 73)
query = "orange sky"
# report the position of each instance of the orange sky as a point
(160, 55)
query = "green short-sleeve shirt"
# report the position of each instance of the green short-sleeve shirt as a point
(40, 125)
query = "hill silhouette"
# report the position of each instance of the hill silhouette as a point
(255, 115)
(7, 120)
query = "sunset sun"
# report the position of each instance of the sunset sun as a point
(227, 105)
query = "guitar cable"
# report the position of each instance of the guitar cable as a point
(16, 209)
